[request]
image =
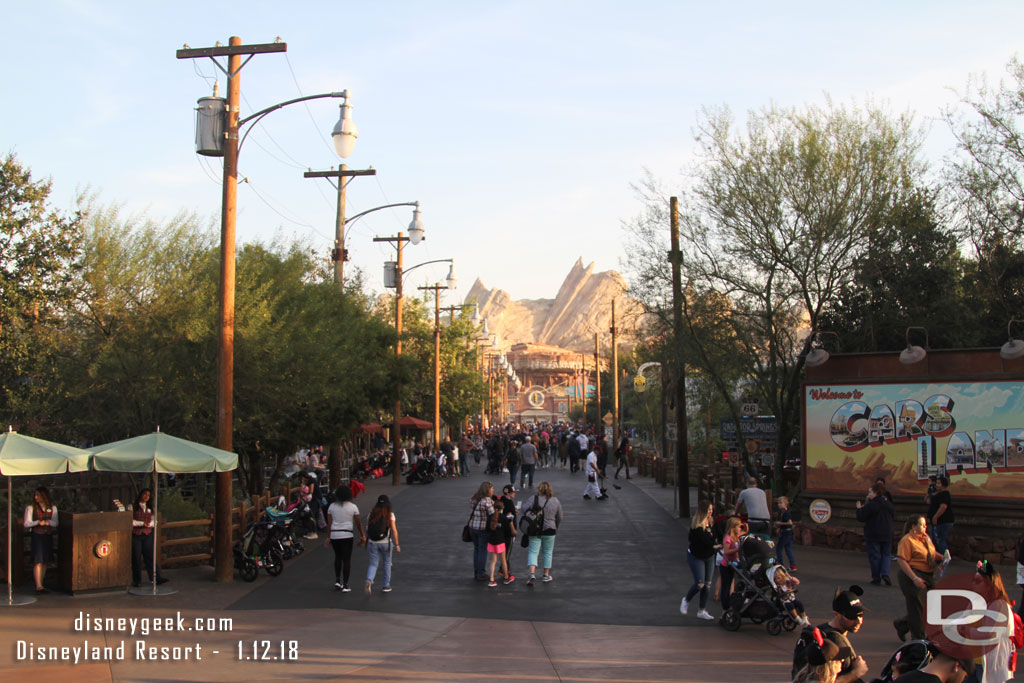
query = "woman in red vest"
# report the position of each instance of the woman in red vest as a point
(41, 520)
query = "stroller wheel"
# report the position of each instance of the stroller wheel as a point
(730, 620)
(274, 562)
(248, 570)
(288, 552)
(297, 547)
(774, 626)
(789, 623)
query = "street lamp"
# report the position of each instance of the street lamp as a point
(218, 127)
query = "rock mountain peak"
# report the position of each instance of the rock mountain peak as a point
(581, 307)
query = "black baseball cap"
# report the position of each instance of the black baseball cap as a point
(847, 603)
(509, 488)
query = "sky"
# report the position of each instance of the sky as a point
(519, 126)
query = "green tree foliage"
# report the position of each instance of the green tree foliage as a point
(38, 248)
(140, 346)
(985, 189)
(773, 219)
(912, 274)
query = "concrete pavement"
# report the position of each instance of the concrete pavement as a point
(610, 615)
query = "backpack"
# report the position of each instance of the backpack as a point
(378, 529)
(533, 519)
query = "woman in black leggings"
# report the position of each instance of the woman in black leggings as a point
(343, 520)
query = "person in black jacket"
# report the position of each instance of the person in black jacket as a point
(876, 512)
(700, 555)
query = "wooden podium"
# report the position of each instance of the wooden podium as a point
(94, 550)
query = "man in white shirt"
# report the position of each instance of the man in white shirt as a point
(593, 474)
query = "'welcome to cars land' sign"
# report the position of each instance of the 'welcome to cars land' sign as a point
(973, 432)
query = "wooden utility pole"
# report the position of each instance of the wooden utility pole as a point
(679, 364)
(597, 372)
(583, 374)
(396, 431)
(339, 254)
(226, 310)
(615, 379)
(436, 289)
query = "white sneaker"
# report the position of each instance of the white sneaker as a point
(704, 614)
(684, 607)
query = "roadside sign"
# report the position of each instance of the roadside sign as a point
(608, 418)
(820, 510)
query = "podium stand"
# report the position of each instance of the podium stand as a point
(94, 550)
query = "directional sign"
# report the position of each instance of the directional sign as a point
(608, 419)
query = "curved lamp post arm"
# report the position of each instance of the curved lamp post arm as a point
(378, 208)
(255, 117)
(406, 271)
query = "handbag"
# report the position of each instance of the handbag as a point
(466, 536)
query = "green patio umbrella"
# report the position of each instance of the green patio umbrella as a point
(161, 454)
(27, 456)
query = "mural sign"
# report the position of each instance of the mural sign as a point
(973, 432)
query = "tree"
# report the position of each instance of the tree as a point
(38, 248)
(913, 274)
(985, 190)
(773, 219)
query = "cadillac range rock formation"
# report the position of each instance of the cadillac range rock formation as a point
(582, 307)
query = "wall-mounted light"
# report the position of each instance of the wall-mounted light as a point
(1013, 348)
(818, 356)
(914, 354)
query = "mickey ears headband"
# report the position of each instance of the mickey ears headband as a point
(986, 569)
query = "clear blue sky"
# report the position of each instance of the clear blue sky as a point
(518, 125)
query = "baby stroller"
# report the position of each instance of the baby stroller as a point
(290, 546)
(422, 472)
(753, 596)
(258, 548)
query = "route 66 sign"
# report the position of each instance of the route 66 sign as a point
(102, 549)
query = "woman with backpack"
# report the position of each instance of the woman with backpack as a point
(381, 532)
(548, 509)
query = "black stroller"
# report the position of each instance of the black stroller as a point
(259, 547)
(754, 596)
(423, 471)
(908, 657)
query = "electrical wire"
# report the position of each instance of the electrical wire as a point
(309, 112)
(207, 171)
(270, 206)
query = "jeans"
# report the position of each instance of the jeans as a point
(526, 470)
(545, 545)
(512, 469)
(479, 551)
(939, 534)
(879, 558)
(380, 554)
(785, 544)
(464, 463)
(703, 572)
(726, 573)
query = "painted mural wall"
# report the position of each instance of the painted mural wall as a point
(971, 431)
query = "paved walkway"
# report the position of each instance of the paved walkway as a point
(610, 615)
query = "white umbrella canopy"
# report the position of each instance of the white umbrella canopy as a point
(164, 454)
(22, 455)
